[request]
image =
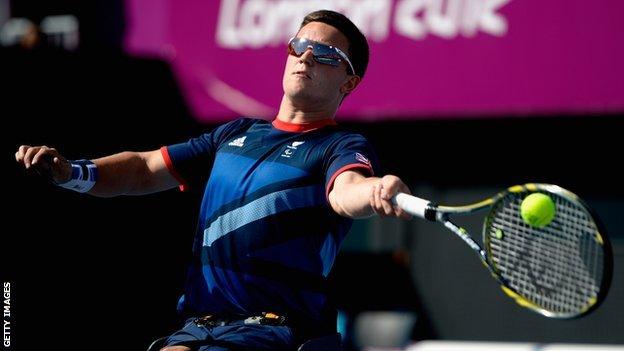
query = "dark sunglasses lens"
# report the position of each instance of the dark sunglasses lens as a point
(326, 55)
(292, 51)
(324, 50)
(322, 53)
(298, 46)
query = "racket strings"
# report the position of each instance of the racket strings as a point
(545, 283)
(557, 267)
(542, 284)
(547, 248)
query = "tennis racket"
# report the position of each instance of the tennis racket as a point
(562, 270)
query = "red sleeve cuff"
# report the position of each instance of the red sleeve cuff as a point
(165, 154)
(330, 184)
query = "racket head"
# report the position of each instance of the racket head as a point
(562, 270)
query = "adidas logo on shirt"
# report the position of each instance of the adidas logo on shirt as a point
(240, 142)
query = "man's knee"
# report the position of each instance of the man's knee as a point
(175, 348)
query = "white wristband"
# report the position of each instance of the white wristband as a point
(83, 178)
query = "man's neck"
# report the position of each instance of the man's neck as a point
(290, 113)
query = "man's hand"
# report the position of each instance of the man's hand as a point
(381, 194)
(356, 196)
(46, 161)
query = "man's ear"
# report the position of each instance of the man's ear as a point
(352, 82)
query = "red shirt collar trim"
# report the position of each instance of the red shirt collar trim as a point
(302, 127)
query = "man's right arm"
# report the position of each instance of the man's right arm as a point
(125, 173)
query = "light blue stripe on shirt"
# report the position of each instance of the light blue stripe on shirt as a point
(265, 206)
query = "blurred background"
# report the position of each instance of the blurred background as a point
(462, 98)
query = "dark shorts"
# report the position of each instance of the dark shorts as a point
(235, 336)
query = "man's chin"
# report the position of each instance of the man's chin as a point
(300, 95)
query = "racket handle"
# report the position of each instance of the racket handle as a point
(413, 205)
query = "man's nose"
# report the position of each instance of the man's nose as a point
(307, 56)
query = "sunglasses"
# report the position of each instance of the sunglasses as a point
(325, 54)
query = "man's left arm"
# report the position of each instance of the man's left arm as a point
(355, 196)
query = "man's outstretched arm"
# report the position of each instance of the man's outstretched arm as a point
(125, 173)
(356, 196)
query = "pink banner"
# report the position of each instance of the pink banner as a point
(429, 58)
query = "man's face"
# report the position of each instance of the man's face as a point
(309, 82)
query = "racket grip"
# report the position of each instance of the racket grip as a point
(412, 204)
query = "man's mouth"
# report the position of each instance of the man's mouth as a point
(302, 74)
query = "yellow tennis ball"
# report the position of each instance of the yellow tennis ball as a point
(537, 210)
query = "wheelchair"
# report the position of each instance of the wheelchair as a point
(326, 343)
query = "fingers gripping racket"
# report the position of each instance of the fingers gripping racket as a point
(560, 270)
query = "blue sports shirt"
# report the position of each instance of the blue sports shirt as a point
(266, 237)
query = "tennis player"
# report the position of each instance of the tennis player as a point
(279, 198)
